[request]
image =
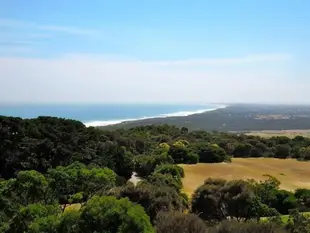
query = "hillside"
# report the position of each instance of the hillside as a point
(241, 117)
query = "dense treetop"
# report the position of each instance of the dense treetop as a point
(48, 164)
(47, 142)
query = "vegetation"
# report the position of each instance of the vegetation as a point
(47, 164)
(238, 118)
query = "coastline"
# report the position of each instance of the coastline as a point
(175, 114)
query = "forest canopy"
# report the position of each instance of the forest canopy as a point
(48, 164)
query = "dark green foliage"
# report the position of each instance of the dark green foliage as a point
(114, 216)
(146, 164)
(153, 198)
(46, 142)
(303, 198)
(26, 215)
(282, 151)
(243, 150)
(169, 180)
(69, 222)
(191, 158)
(284, 202)
(179, 153)
(269, 194)
(267, 190)
(50, 162)
(171, 169)
(211, 153)
(247, 227)
(176, 222)
(218, 199)
(108, 213)
(77, 183)
(30, 187)
(298, 222)
(304, 153)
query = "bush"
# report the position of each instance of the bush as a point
(153, 198)
(282, 151)
(247, 227)
(176, 222)
(114, 216)
(243, 150)
(191, 158)
(159, 179)
(218, 199)
(174, 170)
(146, 164)
(284, 202)
(179, 152)
(211, 153)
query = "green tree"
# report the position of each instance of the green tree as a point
(174, 170)
(162, 148)
(30, 187)
(176, 222)
(144, 165)
(67, 222)
(77, 183)
(9, 202)
(282, 151)
(298, 223)
(305, 153)
(211, 153)
(153, 198)
(26, 215)
(114, 216)
(179, 152)
(243, 150)
(191, 158)
(284, 202)
(218, 199)
(159, 179)
(267, 190)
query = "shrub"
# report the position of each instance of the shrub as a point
(153, 198)
(176, 222)
(174, 170)
(114, 216)
(247, 227)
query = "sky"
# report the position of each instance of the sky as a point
(163, 51)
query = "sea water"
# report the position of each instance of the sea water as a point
(104, 114)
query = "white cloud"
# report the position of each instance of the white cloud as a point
(257, 78)
(230, 61)
(17, 24)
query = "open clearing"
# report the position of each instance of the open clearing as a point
(291, 173)
(275, 133)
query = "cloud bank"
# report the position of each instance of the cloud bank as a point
(264, 78)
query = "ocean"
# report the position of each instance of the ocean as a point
(104, 114)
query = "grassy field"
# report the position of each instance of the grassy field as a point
(291, 173)
(275, 133)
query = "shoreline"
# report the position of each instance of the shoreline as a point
(175, 114)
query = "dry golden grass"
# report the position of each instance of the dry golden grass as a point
(291, 173)
(275, 133)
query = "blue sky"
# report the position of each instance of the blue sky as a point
(246, 44)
